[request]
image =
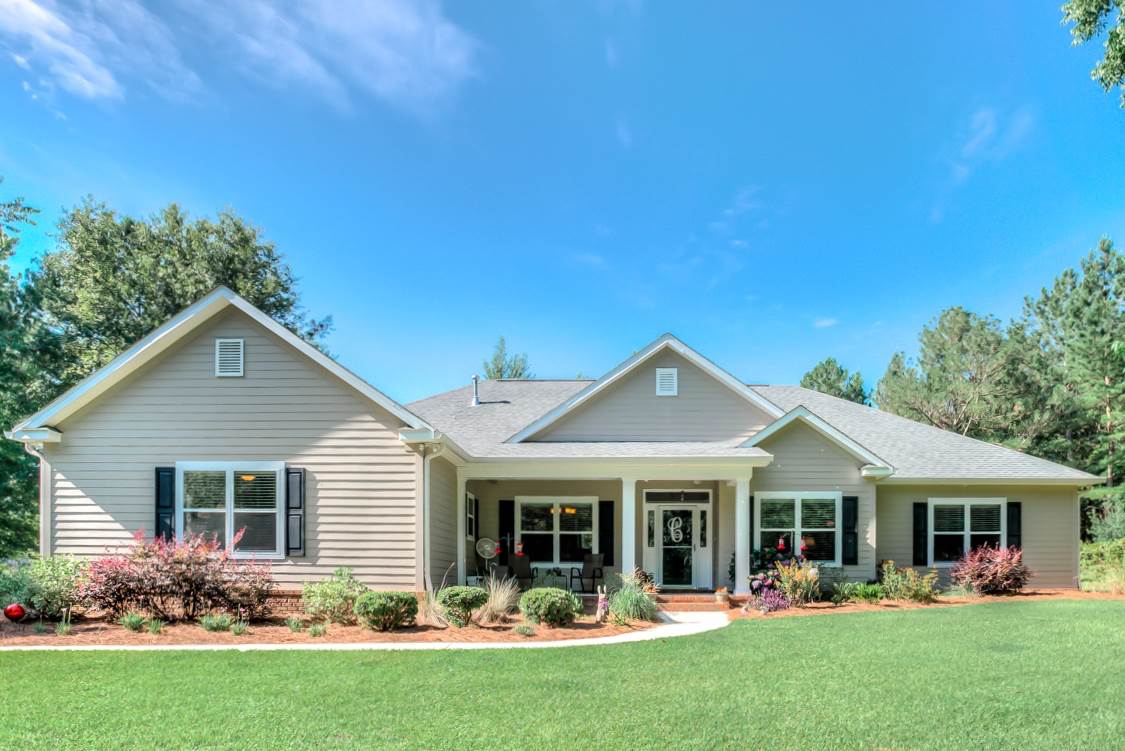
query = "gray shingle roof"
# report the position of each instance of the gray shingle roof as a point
(915, 451)
(918, 451)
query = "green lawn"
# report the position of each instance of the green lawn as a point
(1015, 674)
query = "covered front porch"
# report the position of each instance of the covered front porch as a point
(687, 524)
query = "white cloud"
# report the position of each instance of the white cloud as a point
(825, 323)
(407, 54)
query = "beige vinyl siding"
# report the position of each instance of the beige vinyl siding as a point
(443, 521)
(704, 410)
(805, 460)
(361, 481)
(1049, 517)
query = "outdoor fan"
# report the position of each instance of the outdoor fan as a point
(486, 549)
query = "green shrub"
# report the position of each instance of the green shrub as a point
(216, 622)
(551, 606)
(333, 600)
(132, 621)
(384, 611)
(799, 581)
(318, 629)
(54, 583)
(856, 592)
(1103, 566)
(296, 625)
(62, 628)
(630, 602)
(238, 628)
(524, 629)
(908, 584)
(458, 603)
(155, 626)
(39, 627)
(15, 583)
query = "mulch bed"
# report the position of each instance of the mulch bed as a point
(274, 631)
(825, 608)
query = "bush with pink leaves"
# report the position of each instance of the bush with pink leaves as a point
(992, 571)
(174, 580)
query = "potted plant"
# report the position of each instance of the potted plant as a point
(722, 597)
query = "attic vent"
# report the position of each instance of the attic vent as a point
(229, 358)
(667, 382)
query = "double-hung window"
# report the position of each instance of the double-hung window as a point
(800, 522)
(470, 516)
(958, 525)
(557, 531)
(223, 499)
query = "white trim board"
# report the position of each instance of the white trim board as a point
(876, 465)
(179, 326)
(665, 342)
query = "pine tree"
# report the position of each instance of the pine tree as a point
(830, 377)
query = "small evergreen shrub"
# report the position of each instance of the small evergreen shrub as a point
(384, 611)
(318, 630)
(908, 584)
(550, 606)
(238, 628)
(296, 625)
(333, 600)
(630, 602)
(459, 603)
(132, 621)
(216, 622)
(992, 571)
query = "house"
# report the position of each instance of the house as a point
(222, 420)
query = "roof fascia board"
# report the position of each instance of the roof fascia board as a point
(34, 435)
(667, 341)
(179, 326)
(971, 481)
(841, 439)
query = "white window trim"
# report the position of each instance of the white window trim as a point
(797, 497)
(241, 357)
(967, 532)
(471, 530)
(557, 501)
(230, 468)
(710, 496)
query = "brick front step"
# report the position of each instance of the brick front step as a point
(693, 607)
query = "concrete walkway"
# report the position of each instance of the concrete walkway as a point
(673, 625)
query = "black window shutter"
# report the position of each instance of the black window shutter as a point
(294, 511)
(507, 530)
(921, 512)
(1015, 524)
(605, 531)
(851, 530)
(166, 502)
(751, 527)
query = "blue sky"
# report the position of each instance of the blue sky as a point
(772, 183)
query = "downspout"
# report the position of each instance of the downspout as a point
(427, 456)
(44, 496)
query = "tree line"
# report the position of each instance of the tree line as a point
(1050, 382)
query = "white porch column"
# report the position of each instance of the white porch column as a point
(628, 524)
(742, 536)
(462, 489)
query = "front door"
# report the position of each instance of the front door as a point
(683, 552)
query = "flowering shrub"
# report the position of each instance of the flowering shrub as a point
(992, 571)
(907, 583)
(177, 580)
(770, 601)
(799, 581)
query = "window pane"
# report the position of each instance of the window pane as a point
(255, 489)
(817, 514)
(573, 548)
(651, 528)
(949, 518)
(979, 541)
(205, 489)
(703, 527)
(663, 496)
(578, 517)
(212, 524)
(778, 514)
(776, 540)
(537, 517)
(697, 496)
(259, 535)
(819, 546)
(540, 548)
(948, 547)
(984, 518)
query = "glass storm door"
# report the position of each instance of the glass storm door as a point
(677, 546)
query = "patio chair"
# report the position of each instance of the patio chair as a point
(591, 571)
(500, 573)
(521, 570)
